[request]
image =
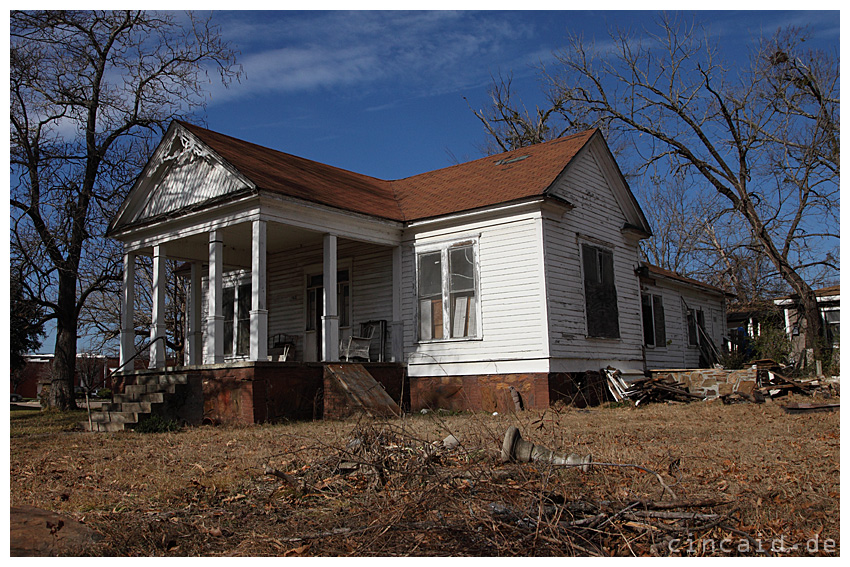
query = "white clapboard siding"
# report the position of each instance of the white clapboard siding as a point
(512, 325)
(677, 353)
(185, 167)
(595, 219)
(371, 286)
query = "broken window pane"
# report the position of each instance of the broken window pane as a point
(448, 296)
(430, 296)
(695, 317)
(462, 289)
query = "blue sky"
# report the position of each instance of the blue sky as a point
(385, 93)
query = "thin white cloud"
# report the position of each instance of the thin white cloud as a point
(429, 52)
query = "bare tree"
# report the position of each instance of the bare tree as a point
(90, 90)
(764, 139)
(100, 320)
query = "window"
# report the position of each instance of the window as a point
(236, 308)
(600, 294)
(447, 283)
(832, 325)
(695, 317)
(654, 332)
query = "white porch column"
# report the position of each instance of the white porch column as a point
(214, 348)
(259, 313)
(128, 297)
(397, 325)
(330, 318)
(194, 354)
(157, 350)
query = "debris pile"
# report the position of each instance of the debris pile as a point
(644, 390)
(775, 385)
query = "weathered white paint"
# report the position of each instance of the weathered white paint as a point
(158, 328)
(397, 324)
(330, 318)
(259, 313)
(596, 218)
(180, 161)
(370, 269)
(214, 339)
(128, 298)
(512, 319)
(676, 298)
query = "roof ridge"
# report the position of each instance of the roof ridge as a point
(302, 158)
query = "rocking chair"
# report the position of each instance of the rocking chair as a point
(358, 347)
(281, 347)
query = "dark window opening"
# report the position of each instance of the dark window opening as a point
(600, 293)
(696, 317)
(654, 331)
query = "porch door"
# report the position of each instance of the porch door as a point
(315, 310)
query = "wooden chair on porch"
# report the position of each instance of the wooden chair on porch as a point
(358, 346)
(281, 347)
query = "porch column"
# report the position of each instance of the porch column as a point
(397, 325)
(128, 297)
(193, 343)
(259, 313)
(157, 350)
(330, 318)
(214, 348)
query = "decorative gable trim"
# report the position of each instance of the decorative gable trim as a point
(180, 162)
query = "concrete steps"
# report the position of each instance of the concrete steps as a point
(148, 396)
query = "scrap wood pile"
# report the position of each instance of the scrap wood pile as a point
(389, 493)
(644, 390)
(775, 385)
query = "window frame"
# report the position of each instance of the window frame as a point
(599, 249)
(656, 306)
(444, 248)
(698, 314)
(236, 280)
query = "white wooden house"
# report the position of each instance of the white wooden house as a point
(511, 270)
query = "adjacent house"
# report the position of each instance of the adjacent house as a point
(829, 302)
(518, 270)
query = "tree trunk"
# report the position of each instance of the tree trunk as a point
(65, 354)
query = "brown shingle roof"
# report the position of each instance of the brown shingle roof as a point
(518, 174)
(502, 178)
(302, 178)
(658, 271)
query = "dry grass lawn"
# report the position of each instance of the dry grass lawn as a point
(755, 478)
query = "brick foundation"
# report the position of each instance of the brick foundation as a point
(486, 392)
(248, 393)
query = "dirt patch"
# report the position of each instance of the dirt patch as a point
(759, 481)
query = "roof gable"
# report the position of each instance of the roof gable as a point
(179, 161)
